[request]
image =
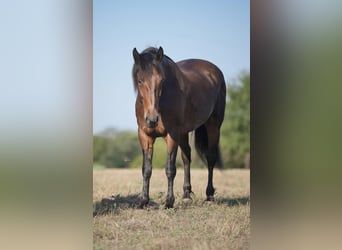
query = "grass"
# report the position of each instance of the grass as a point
(196, 224)
(97, 166)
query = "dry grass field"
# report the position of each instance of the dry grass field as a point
(196, 224)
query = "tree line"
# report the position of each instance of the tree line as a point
(121, 149)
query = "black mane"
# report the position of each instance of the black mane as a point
(147, 63)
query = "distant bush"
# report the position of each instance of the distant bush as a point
(117, 150)
(159, 156)
(235, 130)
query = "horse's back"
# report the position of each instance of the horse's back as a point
(200, 71)
(203, 80)
(204, 85)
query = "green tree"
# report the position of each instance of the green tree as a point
(235, 131)
(159, 156)
(99, 149)
(126, 147)
(116, 150)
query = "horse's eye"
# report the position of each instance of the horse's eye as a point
(139, 82)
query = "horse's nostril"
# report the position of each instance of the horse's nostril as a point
(151, 123)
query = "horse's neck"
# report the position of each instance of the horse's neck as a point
(176, 73)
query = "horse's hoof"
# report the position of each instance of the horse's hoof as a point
(186, 195)
(167, 206)
(210, 198)
(143, 202)
(186, 199)
(186, 202)
(169, 202)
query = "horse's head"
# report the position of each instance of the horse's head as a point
(148, 76)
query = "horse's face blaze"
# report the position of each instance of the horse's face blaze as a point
(148, 75)
(149, 92)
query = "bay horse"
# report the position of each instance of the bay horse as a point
(174, 99)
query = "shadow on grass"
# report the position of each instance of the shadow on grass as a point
(230, 202)
(116, 203)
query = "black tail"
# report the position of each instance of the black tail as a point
(201, 144)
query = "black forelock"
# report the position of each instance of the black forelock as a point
(147, 57)
(152, 50)
(146, 65)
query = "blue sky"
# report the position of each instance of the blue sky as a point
(218, 31)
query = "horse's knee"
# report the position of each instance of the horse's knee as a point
(186, 153)
(147, 168)
(147, 172)
(170, 172)
(212, 156)
(211, 160)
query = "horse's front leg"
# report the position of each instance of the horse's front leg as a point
(170, 169)
(146, 143)
(186, 157)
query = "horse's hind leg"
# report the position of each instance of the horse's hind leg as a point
(213, 132)
(186, 157)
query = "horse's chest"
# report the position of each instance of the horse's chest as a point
(158, 131)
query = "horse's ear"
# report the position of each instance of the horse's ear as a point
(136, 56)
(160, 55)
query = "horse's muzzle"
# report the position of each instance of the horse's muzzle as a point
(152, 122)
